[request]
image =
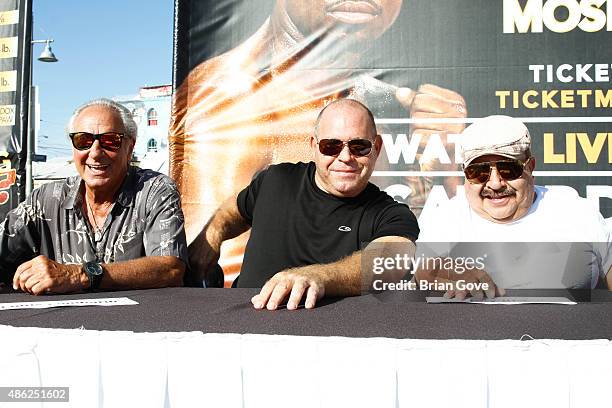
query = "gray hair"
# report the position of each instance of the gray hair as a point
(129, 126)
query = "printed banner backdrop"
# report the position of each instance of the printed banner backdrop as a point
(15, 36)
(250, 78)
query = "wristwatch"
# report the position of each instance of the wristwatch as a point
(94, 272)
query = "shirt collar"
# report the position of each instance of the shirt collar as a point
(73, 198)
(127, 191)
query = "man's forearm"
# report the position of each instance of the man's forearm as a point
(144, 273)
(347, 276)
(340, 278)
(226, 223)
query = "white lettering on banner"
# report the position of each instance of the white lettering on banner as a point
(568, 73)
(434, 149)
(587, 15)
(401, 146)
(405, 149)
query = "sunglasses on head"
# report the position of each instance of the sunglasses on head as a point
(108, 140)
(333, 147)
(479, 173)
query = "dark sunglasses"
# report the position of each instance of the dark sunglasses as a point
(479, 173)
(333, 147)
(108, 140)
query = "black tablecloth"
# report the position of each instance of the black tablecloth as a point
(392, 314)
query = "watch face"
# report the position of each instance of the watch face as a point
(94, 268)
(94, 272)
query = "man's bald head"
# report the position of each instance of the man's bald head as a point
(342, 107)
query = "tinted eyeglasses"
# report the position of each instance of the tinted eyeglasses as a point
(108, 141)
(479, 173)
(333, 147)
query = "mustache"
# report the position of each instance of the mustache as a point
(505, 192)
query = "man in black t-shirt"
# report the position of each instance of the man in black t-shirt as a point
(310, 222)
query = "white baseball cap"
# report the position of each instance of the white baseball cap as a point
(500, 135)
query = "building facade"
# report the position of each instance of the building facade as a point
(151, 111)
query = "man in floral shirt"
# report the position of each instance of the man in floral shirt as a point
(111, 227)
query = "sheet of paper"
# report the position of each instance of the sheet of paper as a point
(505, 300)
(45, 304)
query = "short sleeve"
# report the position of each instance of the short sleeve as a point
(165, 225)
(247, 198)
(19, 236)
(396, 220)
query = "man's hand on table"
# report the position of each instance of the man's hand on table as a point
(42, 275)
(293, 284)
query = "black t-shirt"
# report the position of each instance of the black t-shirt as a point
(295, 223)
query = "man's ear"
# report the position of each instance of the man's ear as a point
(313, 146)
(131, 150)
(313, 142)
(378, 144)
(530, 166)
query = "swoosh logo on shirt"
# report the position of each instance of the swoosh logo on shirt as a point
(344, 228)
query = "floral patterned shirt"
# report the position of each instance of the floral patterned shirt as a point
(145, 220)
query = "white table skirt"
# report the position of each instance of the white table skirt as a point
(191, 369)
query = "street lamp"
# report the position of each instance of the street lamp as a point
(46, 56)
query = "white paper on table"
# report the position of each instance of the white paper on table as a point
(204, 370)
(510, 300)
(442, 373)
(46, 304)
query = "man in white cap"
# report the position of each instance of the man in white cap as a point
(501, 203)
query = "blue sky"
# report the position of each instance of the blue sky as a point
(105, 48)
